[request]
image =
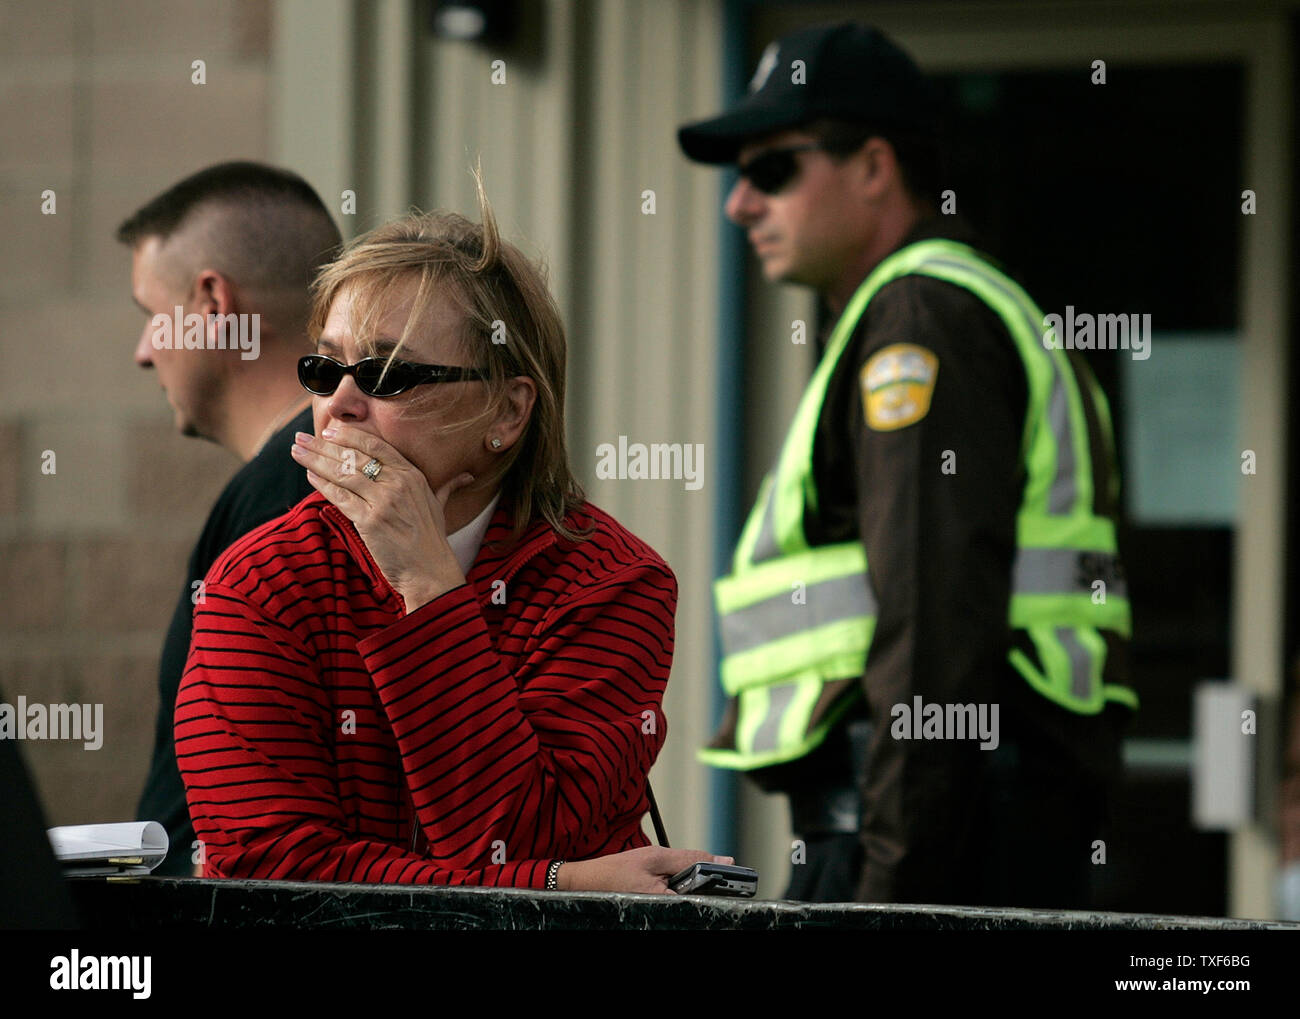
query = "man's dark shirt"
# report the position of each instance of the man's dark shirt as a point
(266, 487)
(940, 548)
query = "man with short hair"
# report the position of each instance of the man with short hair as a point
(911, 631)
(221, 265)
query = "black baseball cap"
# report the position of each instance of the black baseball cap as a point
(849, 71)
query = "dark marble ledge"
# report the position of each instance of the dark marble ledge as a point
(190, 903)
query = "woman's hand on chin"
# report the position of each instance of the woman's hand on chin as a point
(400, 518)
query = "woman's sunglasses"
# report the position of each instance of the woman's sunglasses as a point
(375, 376)
(770, 171)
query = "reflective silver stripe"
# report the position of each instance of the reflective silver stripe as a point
(1080, 664)
(778, 699)
(1064, 492)
(779, 616)
(765, 544)
(1061, 498)
(1066, 571)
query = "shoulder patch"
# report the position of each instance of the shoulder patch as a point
(897, 383)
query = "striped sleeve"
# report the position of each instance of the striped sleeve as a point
(545, 758)
(254, 742)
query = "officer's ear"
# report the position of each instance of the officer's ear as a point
(878, 164)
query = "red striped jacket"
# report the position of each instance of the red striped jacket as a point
(517, 714)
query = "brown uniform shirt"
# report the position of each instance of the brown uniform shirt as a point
(940, 548)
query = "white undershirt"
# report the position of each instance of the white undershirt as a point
(466, 542)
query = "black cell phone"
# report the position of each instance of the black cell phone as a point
(715, 879)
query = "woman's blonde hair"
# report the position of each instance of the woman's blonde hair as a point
(510, 326)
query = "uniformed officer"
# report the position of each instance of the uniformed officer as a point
(923, 630)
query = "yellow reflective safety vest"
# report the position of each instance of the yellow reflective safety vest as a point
(796, 622)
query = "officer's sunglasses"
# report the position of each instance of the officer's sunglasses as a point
(771, 170)
(375, 376)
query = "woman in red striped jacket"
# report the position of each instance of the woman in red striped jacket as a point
(444, 667)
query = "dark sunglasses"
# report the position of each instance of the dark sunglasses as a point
(375, 376)
(773, 169)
